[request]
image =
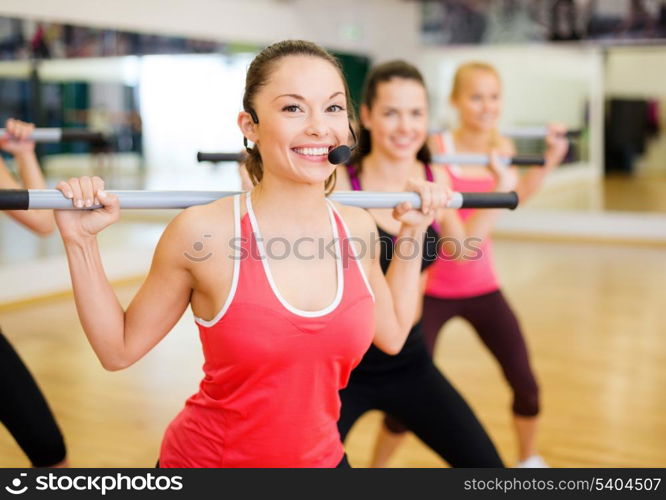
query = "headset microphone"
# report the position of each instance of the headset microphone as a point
(341, 154)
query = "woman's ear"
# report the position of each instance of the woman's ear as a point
(247, 126)
(365, 116)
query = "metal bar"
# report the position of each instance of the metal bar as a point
(27, 199)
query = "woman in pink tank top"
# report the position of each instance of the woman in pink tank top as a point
(462, 282)
(285, 303)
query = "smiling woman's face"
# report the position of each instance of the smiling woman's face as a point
(398, 118)
(479, 100)
(302, 116)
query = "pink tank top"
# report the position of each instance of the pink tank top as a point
(448, 278)
(269, 396)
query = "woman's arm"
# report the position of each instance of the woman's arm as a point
(23, 150)
(398, 293)
(557, 146)
(118, 337)
(454, 231)
(342, 183)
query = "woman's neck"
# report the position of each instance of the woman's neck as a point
(392, 172)
(279, 199)
(472, 140)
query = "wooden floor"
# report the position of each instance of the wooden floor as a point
(593, 316)
(637, 193)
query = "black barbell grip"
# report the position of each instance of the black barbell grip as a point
(527, 161)
(497, 200)
(14, 199)
(219, 157)
(81, 135)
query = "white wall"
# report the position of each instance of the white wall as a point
(188, 104)
(382, 28)
(636, 71)
(541, 83)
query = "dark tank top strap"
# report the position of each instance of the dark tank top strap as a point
(428, 172)
(353, 178)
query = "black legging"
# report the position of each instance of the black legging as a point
(410, 388)
(25, 413)
(497, 326)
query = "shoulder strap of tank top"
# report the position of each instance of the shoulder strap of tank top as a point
(439, 142)
(347, 245)
(449, 145)
(353, 178)
(449, 149)
(428, 172)
(238, 251)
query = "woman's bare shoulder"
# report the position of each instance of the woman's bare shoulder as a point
(359, 221)
(194, 223)
(507, 146)
(440, 174)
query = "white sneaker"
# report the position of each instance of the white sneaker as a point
(533, 462)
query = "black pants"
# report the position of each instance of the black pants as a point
(418, 395)
(25, 413)
(497, 326)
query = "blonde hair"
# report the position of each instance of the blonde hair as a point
(465, 69)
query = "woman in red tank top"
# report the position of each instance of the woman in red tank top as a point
(285, 303)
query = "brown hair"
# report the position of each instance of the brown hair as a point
(257, 76)
(458, 78)
(379, 74)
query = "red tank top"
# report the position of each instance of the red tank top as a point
(269, 396)
(449, 278)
